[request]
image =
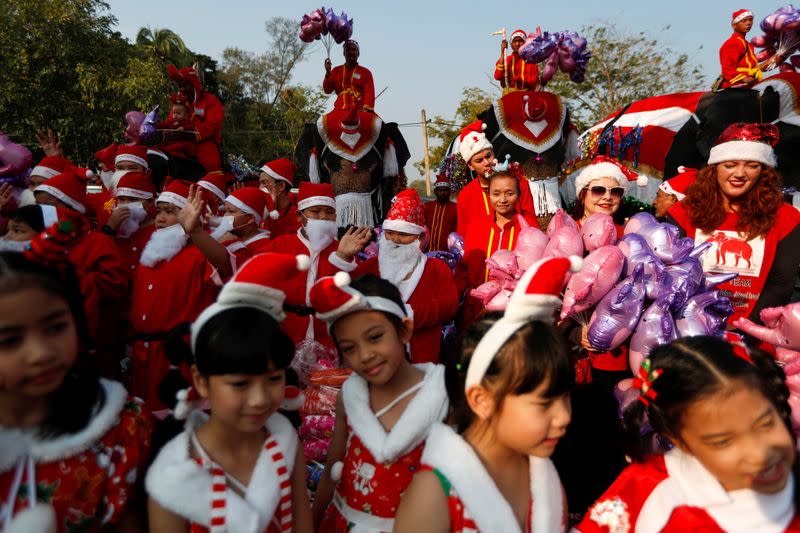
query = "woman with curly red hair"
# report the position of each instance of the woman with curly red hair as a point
(736, 204)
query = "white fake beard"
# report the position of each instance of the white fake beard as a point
(320, 233)
(131, 224)
(165, 244)
(26, 197)
(107, 177)
(222, 226)
(397, 261)
(7, 245)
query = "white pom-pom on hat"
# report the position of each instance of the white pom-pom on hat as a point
(274, 215)
(336, 471)
(641, 180)
(303, 263)
(342, 279)
(575, 263)
(184, 406)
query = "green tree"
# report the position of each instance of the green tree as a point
(441, 131)
(166, 45)
(624, 68)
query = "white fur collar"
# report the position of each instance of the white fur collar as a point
(164, 244)
(446, 451)
(183, 487)
(427, 407)
(262, 234)
(45, 450)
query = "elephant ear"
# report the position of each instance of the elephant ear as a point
(488, 118)
(308, 147)
(390, 133)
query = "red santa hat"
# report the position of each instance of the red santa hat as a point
(176, 193)
(69, 187)
(135, 185)
(740, 15)
(473, 140)
(746, 142)
(281, 169)
(333, 297)
(442, 181)
(678, 185)
(180, 98)
(49, 167)
(406, 214)
(606, 167)
(107, 156)
(216, 183)
(185, 74)
(519, 33)
(314, 194)
(252, 201)
(132, 154)
(536, 297)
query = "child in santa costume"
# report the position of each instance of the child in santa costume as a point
(244, 212)
(316, 238)
(737, 57)
(214, 188)
(473, 200)
(175, 143)
(384, 411)
(238, 468)
(511, 407)
(733, 462)
(426, 284)
(522, 76)
(128, 158)
(179, 274)
(131, 221)
(441, 216)
(276, 179)
(72, 445)
(45, 169)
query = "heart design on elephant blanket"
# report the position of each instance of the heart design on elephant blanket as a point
(532, 120)
(349, 144)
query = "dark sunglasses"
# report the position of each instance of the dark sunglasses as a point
(598, 191)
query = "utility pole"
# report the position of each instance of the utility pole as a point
(425, 148)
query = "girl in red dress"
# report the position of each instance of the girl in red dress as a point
(733, 465)
(384, 411)
(511, 405)
(72, 445)
(238, 468)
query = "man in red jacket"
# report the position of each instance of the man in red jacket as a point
(208, 116)
(522, 76)
(426, 284)
(352, 83)
(736, 56)
(440, 215)
(276, 179)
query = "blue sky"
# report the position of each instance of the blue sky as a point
(427, 52)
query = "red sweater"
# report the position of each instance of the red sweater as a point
(473, 203)
(441, 220)
(354, 87)
(738, 60)
(522, 76)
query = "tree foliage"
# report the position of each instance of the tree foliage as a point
(166, 45)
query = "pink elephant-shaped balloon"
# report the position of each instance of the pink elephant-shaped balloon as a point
(781, 328)
(598, 230)
(531, 244)
(134, 121)
(500, 300)
(600, 272)
(638, 221)
(15, 159)
(666, 242)
(503, 266)
(618, 312)
(565, 242)
(704, 314)
(486, 291)
(655, 327)
(559, 220)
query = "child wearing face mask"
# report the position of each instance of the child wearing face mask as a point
(276, 179)
(239, 228)
(131, 222)
(316, 237)
(239, 467)
(115, 162)
(511, 399)
(426, 284)
(384, 411)
(733, 465)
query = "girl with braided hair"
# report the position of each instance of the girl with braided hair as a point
(733, 465)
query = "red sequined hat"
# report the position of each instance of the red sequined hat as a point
(406, 214)
(746, 142)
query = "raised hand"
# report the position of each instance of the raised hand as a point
(191, 216)
(5, 194)
(353, 241)
(50, 142)
(118, 216)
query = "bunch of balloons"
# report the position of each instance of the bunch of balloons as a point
(565, 50)
(149, 124)
(781, 38)
(15, 162)
(323, 24)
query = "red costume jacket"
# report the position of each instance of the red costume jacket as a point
(473, 203)
(132, 247)
(441, 220)
(354, 87)
(522, 76)
(286, 223)
(767, 267)
(431, 294)
(738, 60)
(208, 117)
(674, 492)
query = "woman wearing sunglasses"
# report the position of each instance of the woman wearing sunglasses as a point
(600, 188)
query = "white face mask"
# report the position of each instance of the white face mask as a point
(320, 233)
(396, 261)
(7, 245)
(115, 177)
(134, 220)
(107, 177)
(221, 226)
(26, 197)
(164, 245)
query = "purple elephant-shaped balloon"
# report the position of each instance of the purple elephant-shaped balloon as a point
(666, 242)
(559, 220)
(704, 314)
(618, 312)
(638, 221)
(781, 328)
(134, 120)
(455, 243)
(565, 242)
(15, 161)
(655, 327)
(149, 124)
(600, 272)
(338, 26)
(637, 251)
(531, 244)
(449, 258)
(598, 230)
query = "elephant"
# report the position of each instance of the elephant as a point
(361, 156)
(535, 130)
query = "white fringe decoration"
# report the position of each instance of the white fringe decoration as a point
(354, 208)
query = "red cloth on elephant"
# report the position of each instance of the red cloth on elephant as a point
(354, 87)
(738, 60)
(286, 223)
(433, 300)
(473, 204)
(442, 220)
(755, 260)
(522, 76)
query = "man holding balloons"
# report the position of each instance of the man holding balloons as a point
(740, 67)
(511, 71)
(352, 83)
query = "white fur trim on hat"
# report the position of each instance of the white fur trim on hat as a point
(213, 189)
(741, 17)
(131, 159)
(469, 146)
(157, 153)
(403, 226)
(667, 188)
(172, 198)
(44, 172)
(313, 201)
(244, 207)
(77, 206)
(275, 175)
(743, 151)
(133, 193)
(597, 171)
